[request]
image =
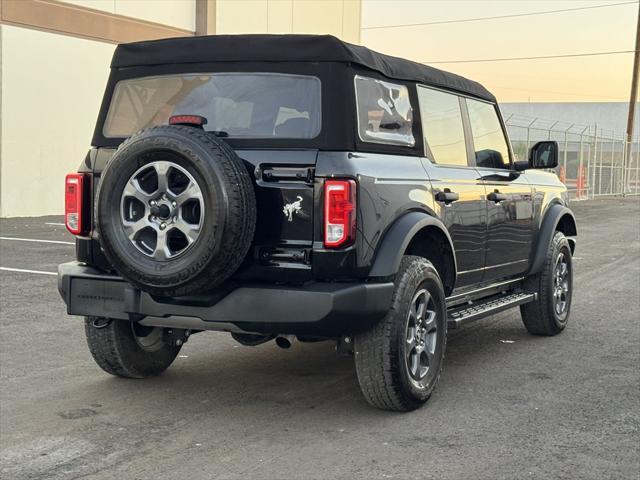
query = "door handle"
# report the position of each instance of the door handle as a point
(447, 196)
(496, 196)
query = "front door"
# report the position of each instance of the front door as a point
(509, 195)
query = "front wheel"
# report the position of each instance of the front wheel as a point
(128, 350)
(549, 314)
(399, 360)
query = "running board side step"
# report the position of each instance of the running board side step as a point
(460, 315)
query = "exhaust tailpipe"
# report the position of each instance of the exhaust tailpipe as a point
(285, 341)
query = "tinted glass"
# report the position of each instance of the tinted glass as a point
(384, 112)
(442, 127)
(489, 142)
(251, 105)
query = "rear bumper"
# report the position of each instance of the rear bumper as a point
(323, 309)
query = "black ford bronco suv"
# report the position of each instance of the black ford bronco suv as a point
(298, 186)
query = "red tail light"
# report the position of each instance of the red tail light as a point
(73, 203)
(339, 213)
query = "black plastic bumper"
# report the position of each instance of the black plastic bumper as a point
(315, 309)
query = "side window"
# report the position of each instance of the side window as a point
(442, 127)
(384, 112)
(490, 144)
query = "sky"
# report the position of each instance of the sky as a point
(605, 78)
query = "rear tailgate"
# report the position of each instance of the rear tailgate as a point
(285, 201)
(284, 186)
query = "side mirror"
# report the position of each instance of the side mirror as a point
(544, 155)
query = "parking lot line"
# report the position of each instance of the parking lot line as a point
(55, 224)
(37, 240)
(23, 270)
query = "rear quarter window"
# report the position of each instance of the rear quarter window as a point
(384, 112)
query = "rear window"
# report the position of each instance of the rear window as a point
(241, 105)
(384, 112)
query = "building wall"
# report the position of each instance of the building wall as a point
(51, 90)
(54, 65)
(336, 17)
(176, 13)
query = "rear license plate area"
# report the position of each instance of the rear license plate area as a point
(97, 298)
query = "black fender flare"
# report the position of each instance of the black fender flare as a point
(547, 229)
(397, 239)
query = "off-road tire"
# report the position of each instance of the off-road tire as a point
(381, 367)
(114, 348)
(229, 218)
(540, 317)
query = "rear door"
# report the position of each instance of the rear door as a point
(509, 195)
(459, 194)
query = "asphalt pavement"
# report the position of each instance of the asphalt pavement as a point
(509, 405)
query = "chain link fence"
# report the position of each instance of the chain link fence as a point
(593, 162)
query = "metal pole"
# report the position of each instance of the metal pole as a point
(528, 130)
(623, 173)
(581, 164)
(613, 158)
(634, 83)
(592, 159)
(600, 175)
(549, 132)
(566, 146)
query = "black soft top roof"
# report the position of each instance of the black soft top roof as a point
(286, 48)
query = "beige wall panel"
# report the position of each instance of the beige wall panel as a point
(336, 17)
(104, 5)
(241, 16)
(52, 86)
(176, 13)
(351, 22)
(318, 16)
(280, 16)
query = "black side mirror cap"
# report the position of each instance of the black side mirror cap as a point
(544, 155)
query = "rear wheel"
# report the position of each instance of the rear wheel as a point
(128, 350)
(549, 314)
(399, 360)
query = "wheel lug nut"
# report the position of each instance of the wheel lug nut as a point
(153, 203)
(163, 226)
(173, 204)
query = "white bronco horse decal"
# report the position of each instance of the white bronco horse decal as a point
(291, 208)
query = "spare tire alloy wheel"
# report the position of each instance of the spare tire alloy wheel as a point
(162, 210)
(175, 210)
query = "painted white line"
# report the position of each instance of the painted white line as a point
(22, 270)
(55, 224)
(37, 241)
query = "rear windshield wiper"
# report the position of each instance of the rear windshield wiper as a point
(220, 133)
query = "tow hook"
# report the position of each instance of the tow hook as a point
(176, 336)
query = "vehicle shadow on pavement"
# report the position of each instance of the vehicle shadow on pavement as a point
(309, 376)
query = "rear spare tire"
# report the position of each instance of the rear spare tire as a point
(176, 210)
